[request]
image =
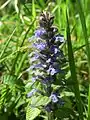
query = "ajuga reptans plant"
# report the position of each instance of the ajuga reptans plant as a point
(47, 60)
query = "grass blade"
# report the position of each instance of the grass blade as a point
(5, 4)
(7, 43)
(21, 64)
(17, 56)
(84, 29)
(73, 72)
(33, 12)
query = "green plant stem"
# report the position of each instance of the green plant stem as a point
(50, 115)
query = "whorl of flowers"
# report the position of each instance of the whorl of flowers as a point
(47, 58)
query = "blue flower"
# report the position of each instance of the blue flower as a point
(34, 79)
(31, 93)
(52, 71)
(54, 49)
(47, 60)
(36, 56)
(54, 98)
(40, 32)
(47, 80)
(36, 66)
(48, 107)
(40, 46)
(59, 38)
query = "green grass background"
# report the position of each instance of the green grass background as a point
(18, 20)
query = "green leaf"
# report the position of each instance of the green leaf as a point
(20, 101)
(12, 80)
(64, 113)
(40, 100)
(32, 113)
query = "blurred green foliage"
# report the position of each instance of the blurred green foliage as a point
(18, 20)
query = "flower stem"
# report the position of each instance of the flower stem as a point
(50, 115)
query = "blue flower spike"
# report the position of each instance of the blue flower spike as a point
(47, 59)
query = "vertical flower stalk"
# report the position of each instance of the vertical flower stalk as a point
(48, 59)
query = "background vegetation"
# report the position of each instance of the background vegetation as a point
(18, 20)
